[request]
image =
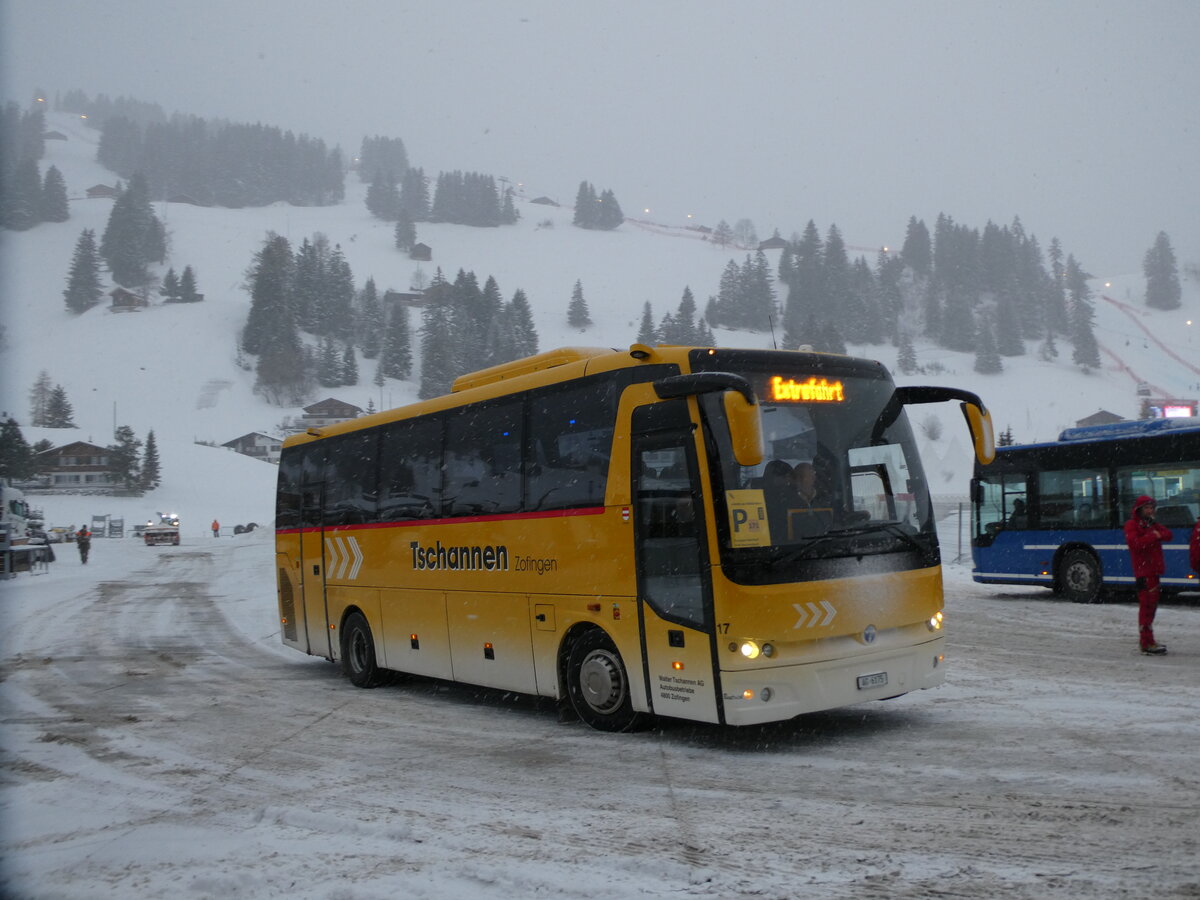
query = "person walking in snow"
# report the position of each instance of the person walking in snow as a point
(83, 540)
(216, 527)
(1145, 538)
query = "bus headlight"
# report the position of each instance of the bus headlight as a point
(935, 623)
(750, 649)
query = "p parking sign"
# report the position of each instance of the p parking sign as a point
(748, 519)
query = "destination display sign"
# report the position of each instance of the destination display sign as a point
(814, 390)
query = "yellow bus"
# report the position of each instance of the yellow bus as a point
(628, 532)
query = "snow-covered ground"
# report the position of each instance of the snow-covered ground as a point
(159, 741)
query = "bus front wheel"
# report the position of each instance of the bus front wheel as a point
(1079, 577)
(598, 684)
(358, 653)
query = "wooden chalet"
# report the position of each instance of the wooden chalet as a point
(422, 252)
(78, 465)
(1102, 417)
(102, 191)
(126, 301)
(328, 412)
(257, 445)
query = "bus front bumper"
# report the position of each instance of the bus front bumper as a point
(782, 692)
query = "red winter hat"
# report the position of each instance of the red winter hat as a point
(1143, 501)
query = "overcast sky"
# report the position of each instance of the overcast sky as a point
(1080, 117)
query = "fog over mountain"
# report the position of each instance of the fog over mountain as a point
(1078, 116)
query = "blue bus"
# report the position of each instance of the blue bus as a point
(1053, 514)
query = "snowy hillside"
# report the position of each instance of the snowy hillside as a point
(173, 368)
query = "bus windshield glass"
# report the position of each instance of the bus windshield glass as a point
(840, 477)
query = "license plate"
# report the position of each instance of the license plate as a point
(866, 682)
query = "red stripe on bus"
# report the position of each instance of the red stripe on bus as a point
(411, 523)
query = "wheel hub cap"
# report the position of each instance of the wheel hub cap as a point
(600, 682)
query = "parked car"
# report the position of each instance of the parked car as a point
(59, 535)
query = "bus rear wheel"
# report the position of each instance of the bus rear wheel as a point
(1079, 577)
(598, 684)
(358, 653)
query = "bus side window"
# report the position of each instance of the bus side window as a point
(571, 432)
(350, 479)
(287, 514)
(669, 534)
(1176, 487)
(312, 485)
(1072, 498)
(1002, 504)
(410, 470)
(483, 459)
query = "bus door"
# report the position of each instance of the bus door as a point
(675, 605)
(312, 557)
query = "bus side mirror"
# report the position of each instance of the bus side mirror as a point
(979, 421)
(741, 408)
(745, 428)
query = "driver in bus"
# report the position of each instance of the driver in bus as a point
(779, 494)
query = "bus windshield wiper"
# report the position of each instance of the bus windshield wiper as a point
(806, 551)
(895, 530)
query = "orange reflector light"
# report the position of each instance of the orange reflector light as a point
(332, 626)
(593, 607)
(487, 646)
(748, 694)
(677, 666)
(412, 637)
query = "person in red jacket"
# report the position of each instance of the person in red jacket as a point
(1145, 539)
(1194, 548)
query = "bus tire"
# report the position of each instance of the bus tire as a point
(358, 653)
(598, 684)
(1079, 578)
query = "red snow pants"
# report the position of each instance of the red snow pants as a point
(1147, 606)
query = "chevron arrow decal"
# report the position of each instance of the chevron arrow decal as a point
(345, 558)
(813, 615)
(333, 562)
(358, 558)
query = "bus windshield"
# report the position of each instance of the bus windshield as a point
(840, 478)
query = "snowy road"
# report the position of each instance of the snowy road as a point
(159, 742)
